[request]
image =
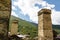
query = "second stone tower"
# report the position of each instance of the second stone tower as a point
(44, 25)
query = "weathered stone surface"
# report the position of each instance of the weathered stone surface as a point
(5, 5)
(44, 11)
(14, 28)
(45, 25)
(5, 12)
(3, 28)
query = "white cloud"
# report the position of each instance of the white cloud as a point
(27, 7)
(13, 7)
(55, 17)
(49, 6)
(13, 13)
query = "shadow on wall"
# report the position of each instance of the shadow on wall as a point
(2, 37)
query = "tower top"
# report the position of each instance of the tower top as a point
(15, 21)
(45, 11)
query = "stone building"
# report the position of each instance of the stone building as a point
(44, 25)
(14, 27)
(5, 11)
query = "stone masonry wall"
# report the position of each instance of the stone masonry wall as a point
(5, 11)
(14, 28)
(45, 25)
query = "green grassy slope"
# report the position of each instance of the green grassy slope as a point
(25, 27)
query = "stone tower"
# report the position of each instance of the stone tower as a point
(44, 25)
(14, 27)
(5, 11)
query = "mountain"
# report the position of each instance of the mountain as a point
(30, 28)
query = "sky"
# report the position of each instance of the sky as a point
(28, 9)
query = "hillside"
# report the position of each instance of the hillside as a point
(26, 27)
(30, 28)
(56, 28)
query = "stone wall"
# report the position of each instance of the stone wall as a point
(14, 27)
(45, 25)
(5, 11)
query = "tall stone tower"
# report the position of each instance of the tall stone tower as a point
(5, 11)
(14, 27)
(44, 25)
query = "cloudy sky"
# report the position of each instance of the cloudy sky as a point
(28, 9)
